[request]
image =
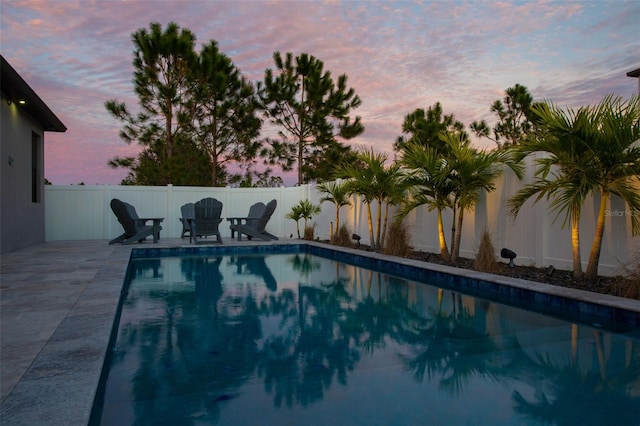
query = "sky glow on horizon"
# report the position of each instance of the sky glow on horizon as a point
(398, 56)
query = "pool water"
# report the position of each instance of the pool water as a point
(298, 339)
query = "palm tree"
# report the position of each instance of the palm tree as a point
(453, 180)
(559, 176)
(337, 193)
(358, 183)
(617, 150)
(305, 209)
(428, 183)
(374, 181)
(473, 171)
(391, 192)
(595, 151)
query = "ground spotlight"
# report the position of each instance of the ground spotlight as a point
(505, 253)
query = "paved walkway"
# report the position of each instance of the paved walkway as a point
(58, 304)
(58, 301)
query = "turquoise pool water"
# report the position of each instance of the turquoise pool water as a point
(299, 339)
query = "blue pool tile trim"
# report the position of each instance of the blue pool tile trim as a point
(215, 250)
(560, 306)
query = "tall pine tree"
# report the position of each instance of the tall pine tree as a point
(227, 124)
(309, 110)
(163, 63)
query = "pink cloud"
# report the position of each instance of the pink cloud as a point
(398, 56)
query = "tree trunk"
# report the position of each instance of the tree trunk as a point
(378, 223)
(168, 127)
(300, 148)
(444, 251)
(385, 223)
(455, 247)
(453, 228)
(301, 139)
(168, 144)
(214, 152)
(214, 173)
(215, 167)
(575, 243)
(370, 223)
(594, 256)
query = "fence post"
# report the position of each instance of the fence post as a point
(168, 206)
(106, 195)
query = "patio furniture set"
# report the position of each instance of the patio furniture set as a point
(199, 219)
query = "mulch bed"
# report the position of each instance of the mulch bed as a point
(615, 286)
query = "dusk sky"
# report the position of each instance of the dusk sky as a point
(398, 56)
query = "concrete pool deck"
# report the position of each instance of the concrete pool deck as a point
(58, 303)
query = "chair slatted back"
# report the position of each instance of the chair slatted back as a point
(126, 215)
(188, 211)
(255, 213)
(266, 215)
(207, 214)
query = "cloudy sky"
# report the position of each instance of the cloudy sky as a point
(398, 56)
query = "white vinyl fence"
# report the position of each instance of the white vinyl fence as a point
(83, 212)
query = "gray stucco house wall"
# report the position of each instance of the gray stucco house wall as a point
(24, 119)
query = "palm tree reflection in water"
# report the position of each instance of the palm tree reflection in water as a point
(196, 348)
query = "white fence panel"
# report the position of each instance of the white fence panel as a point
(75, 215)
(83, 212)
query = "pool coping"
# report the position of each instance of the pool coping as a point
(536, 296)
(60, 384)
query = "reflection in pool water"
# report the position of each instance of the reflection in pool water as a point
(298, 339)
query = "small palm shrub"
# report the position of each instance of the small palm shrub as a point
(485, 260)
(342, 237)
(305, 209)
(397, 241)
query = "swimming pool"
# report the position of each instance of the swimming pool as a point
(285, 336)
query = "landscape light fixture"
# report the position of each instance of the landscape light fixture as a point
(356, 238)
(505, 253)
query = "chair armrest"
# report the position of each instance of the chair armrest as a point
(237, 220)
(142, 221)
(155, 220)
